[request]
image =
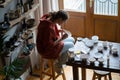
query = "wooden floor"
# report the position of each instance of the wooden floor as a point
(68, 74)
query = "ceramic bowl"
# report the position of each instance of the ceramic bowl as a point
(71, 49)
(101, 60)
(84, 56)
(89, 43)
(98, 55)
(79, 39)
(17, 43)
(92, 59)
(30, 23)
(95, 39)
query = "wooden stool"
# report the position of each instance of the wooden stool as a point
(49, 70)
(99, 74)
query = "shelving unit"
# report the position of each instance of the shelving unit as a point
(5, 3)
(15, 21)
(35, 13)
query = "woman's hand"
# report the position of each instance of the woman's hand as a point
(64, 36)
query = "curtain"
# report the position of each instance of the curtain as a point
(41, 7)
(50, 5)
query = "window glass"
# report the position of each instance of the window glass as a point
(77, 5)
(54, 6)
(106, 7)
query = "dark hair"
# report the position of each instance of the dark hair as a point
(59, 14)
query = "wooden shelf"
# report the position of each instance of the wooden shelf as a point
(15, 21)
(34, 27)
(5, 3)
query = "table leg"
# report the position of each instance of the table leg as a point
(75, 73)
(83, 75)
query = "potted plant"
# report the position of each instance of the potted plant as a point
(13, 69)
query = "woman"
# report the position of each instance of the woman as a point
(50, 44)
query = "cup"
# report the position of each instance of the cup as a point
(101, 60)
(100, 49)
(105, 45)
(84, 58)
(95, 39)
(110, 45)
(92, 60)
(71, 53)
(115, 52)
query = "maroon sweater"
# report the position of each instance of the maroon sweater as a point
(47, 34)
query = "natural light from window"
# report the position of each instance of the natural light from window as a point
(106, 7)
(54, 5)
(75, 5)
(101, 7)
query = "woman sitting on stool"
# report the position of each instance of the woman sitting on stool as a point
(50, 44)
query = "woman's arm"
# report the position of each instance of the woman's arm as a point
(64, 36)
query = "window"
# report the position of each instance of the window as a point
(55, 6)
(75, 5)
(106, 7)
